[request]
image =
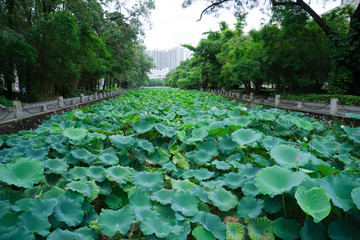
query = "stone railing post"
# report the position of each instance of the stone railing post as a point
(17, 109)
(251, 96)
(334, 106)
(95, 96)
(61, 102)
(299, 105)
(43, 108)
(82, 99)
(277, 100)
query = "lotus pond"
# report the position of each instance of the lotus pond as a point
(171, 164)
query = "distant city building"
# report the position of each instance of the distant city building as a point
(167, 60)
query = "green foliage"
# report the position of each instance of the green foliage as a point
(324, 98)
(165, 163)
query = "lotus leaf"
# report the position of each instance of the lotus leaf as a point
(320, 148)
(180, 185)
(87, 188)
(223, 199)
(83, 155)
(96, 173)
(75, 134)
(23, 173)
(235, 231)
(122, 142)
(42, 208)
(346, 228)
(77, 173)
(313, 231)
(38, 154)
(245, 136)
(226, 145)
(289, 157)
(156, 226)
(164, 130)
(57, 166)
(276, 180)
(118, 174)
(69, 210)
(355, 194)
(213, 224)
(111, 222)
(163, 196)
(250, 207)
(148, 181)
(109, 159)
(16, 233)
(185, 202)
(213, 184)
(261, 229)
(139, 200)
(203, 174)
(201, 233)
(339, 190)
(54, 192)
(286, 229)
(199, 134)
(146, 145)
(234, 180)
(34, 223)
(202, 157)
(143, 126)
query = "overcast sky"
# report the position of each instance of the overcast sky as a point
(173, 25)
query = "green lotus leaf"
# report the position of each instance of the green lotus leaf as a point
(163, 196)
(339, 190)
(16, 233)
(140, 200)
(213, 224)
(156, 226)
(185, 202)
(54, 192)
(199, 134)
(320, 148)
(118, 174)
(180, 185)
(69, 210)
(87, 188)
(34, 223)
(213, 184)
(83, 155)
(355, 194)
(203, 174)
(260, 160)
(314, 202)
(221, 165)
(143, 126)
(80, 115)
(355, 137)
(201, 233)
(326, 170)
(146, 145)
(239, 122)
(261, 229)
(59, 234)
(312, 231)
(111, 222)
(165, 213)
(217, 128)
(96, 173)
(223, 199)
(109, 159)
(75, 134)
(77, 173)
(202, 157)
(57, 166)
(272, 205)
(148, 181)
(234, 180)
(95, 136)
(352, 115)
(250, 207)
(23, 173)
(271, 142)
(38, 154)
(304, 124)
(287, 156)
(235, 231)
(42, 208)
(209, 147)
(286, 228)
(276, 180)
(4, 207)
(164, 130)
(346, 228)
(245, 136)
(122, 142)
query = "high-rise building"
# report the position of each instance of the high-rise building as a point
(169, 59)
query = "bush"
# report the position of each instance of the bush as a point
(324, 98)
(4, 101)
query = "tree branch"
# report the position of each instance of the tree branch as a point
(211, 6)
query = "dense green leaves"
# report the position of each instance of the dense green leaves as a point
(111, 221)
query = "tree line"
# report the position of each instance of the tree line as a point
(292, 52)
(56, 47)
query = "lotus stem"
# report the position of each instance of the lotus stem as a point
(283, 200)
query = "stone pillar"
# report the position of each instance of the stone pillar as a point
(334, 106)
(95, 96)
(17, 109)
(43, 108)
(72, 102)
(299, 105)
(61, 102)
(244, 97)
(277, 100)
(251, 96)
(82, 99)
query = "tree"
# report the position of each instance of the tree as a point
(346, 44)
